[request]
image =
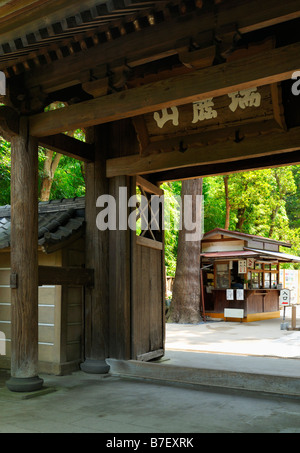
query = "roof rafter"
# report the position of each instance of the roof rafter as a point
(241, 17)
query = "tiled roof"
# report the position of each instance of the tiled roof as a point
(58, 220)
(4, 232)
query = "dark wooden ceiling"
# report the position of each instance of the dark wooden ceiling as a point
(57, 50)
(112, 60)
(46, 32)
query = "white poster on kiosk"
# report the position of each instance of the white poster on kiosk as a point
(289, 278)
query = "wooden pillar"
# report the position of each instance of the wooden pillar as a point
(107, 305)
(24, 262)
(123, 143)
(96, 298)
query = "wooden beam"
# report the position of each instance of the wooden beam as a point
(13, 16)
(96, 88)
(69, 146)
(265, 14)
(172, 142)
(198, 59)
(250, 147)
(261, 69)
(54, 275)
(148, 186)
(146, 242)
(200, 171)
(9, 123)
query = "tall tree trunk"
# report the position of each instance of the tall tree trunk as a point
(241, 219)
(227, 217)
(276, 209)
(50, 166)
(185, 306)
(273, 218)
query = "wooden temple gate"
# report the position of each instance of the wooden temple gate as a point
(165, 90)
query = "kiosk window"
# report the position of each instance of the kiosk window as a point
(267, 278)
(274, 279)
(264, 277)
(257, 280)
(222, 275)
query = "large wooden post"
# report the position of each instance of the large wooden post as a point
(24, 262)
(96, 298)
(123, 142)
(107, 305)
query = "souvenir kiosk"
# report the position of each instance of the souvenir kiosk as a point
(241, 275)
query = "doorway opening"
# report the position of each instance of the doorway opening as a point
(269, 268)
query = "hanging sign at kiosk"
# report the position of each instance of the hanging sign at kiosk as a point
(242, 266)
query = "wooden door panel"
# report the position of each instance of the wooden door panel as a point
(147, 295)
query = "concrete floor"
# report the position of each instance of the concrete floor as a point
(119, 404)
(83, 403)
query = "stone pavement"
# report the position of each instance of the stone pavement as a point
(212, 383)
(260, 338)
(84, 403)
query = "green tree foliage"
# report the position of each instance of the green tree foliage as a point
(68, 181)
(263, 202)
(61, 176)
(214, 203)
(257, 199)
(293, 200)
(172, 191)
(5, 168)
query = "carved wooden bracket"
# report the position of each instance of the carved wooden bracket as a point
(9, 122)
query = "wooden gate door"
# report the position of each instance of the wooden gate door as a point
(148, 276)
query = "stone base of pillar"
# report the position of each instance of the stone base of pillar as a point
(24, 384)
(95, 366)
